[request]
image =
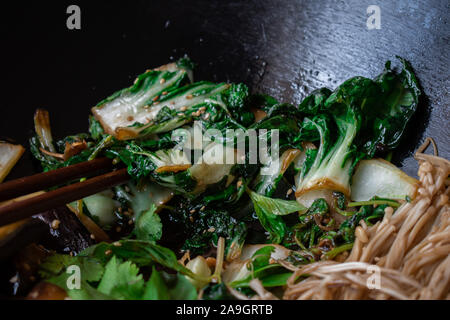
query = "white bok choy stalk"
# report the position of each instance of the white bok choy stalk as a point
(380, 178)
(9, 155)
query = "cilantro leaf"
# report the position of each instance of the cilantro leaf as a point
(155, 288)
(85, 292)
(142, 253)
(90, 269)
(104, 275)
(183, 290)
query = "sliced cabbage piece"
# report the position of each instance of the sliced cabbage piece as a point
(174, 169)
(102, 206)
(308, 198)
(238, 268)
(9, 155)
(160, 100)
(267, 180)
(165, 159)
(377, 177)
(138, 103)
(142, 197)
(279, 253)
(176, 108)
(213, 166)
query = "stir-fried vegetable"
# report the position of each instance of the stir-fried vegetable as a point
(361, 117)
(239, 220)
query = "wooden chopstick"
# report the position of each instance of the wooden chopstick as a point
(19, 210)
(45, 180)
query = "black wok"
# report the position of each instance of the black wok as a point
(284, 48)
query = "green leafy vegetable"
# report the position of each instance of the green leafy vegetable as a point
(269, 212)
(148, 225)
(105, 274)
(210, 208)
(121, 280)
(353, 123)
(162, 286)
(276, 207)
(156, 288)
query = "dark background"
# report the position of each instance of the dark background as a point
(284, 48)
